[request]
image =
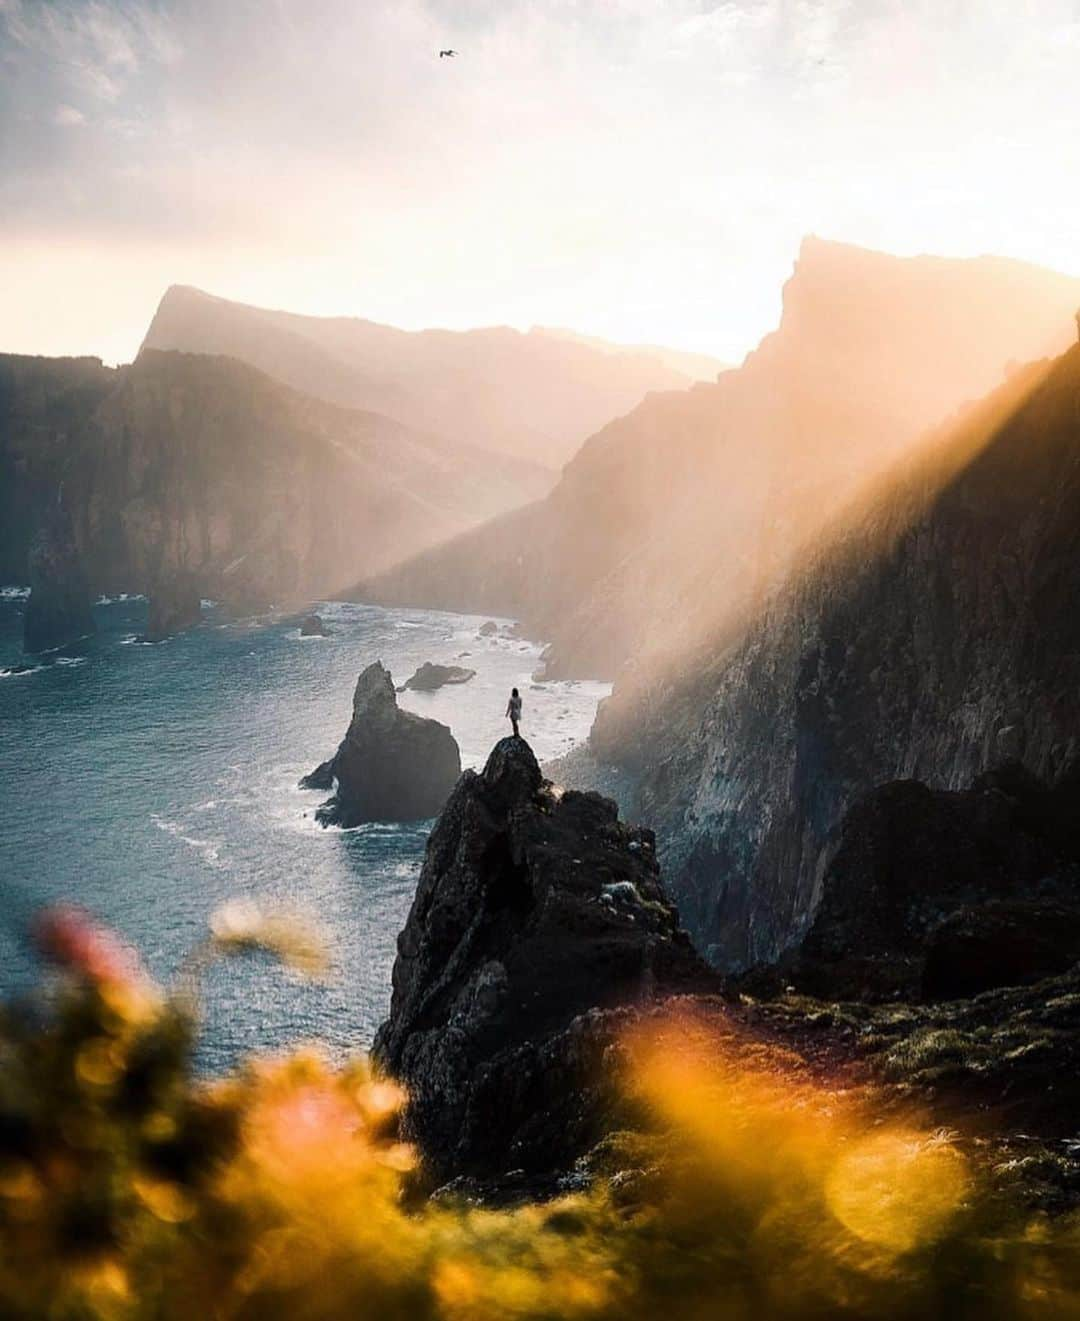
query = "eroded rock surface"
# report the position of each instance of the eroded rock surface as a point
(430, 677)
(58, 611)
(391, 765)
(539, 922)
(939, 894)
(175, 605)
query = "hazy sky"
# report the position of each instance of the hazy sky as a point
(637, 170)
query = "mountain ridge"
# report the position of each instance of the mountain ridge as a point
(530, 394)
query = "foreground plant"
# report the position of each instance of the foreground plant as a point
(131, 1190)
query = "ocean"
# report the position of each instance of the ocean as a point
(150, 783)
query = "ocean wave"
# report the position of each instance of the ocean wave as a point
(20, 671)
(70, 660)
(121, 598)
(14, 593)
(209, 848)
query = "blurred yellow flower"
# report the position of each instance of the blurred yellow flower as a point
(243, 924)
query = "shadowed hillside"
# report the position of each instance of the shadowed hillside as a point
(933, 636)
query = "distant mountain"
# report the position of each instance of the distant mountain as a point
(933, 635)
(678, 518)
(697, 366)
(534, 396)
(203, 467)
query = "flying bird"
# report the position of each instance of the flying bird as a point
(444, 53)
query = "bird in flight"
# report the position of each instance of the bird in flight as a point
(444, 53)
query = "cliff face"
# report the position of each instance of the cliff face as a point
(537, 917)
(534, 396)
(44, 405)
(939, 894)
(202, 469)
(934, 635)
(58, 611)
(392, 765)
(673, 520)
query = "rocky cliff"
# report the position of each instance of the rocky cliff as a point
(538, 917)
(58, 611)
(941, 894)
(933, 635)
(391, 765)
(203, 470)
(673, 520)
(533, 396)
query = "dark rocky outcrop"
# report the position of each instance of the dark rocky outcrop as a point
(429, 677)
(489, 629)
(943, 894)
(311, 626)
(1000, 944)
(58, 611)
(539, 919)
(391, 765)
(932, 635)
(175, 605)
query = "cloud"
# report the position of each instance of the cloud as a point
(66, 116)
(93, 46)
(643, 168)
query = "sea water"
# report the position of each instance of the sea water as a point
(150, 783)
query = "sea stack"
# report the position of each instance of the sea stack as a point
(391, 765)
(175, 605)
(430, 677)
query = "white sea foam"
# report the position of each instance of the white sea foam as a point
(14, 593)
(209, 848)
(20, 671)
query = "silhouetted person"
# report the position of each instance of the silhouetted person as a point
(1078, 323)
(513, 710)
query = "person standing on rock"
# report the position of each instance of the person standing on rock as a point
(513, 710)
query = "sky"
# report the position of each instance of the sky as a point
(641, 171)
